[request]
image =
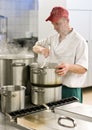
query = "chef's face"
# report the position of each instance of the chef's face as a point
(61, 25)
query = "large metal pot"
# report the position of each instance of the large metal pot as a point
(6, 69)
(12, 98)
(42, 95)
(19, 73)
(45, 76)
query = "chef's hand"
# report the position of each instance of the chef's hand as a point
(42, 50)
(45, 52)
(62, 69)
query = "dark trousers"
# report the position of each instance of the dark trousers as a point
(69, 92)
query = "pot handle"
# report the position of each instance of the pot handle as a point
(67, 118)
(38, 91)
(35, 71)
(18, 64)
(40, 71)
(2, 90)
(23, 87)
(6, 95)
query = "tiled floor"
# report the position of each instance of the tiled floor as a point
(87, 95)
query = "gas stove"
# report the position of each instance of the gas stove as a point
(38, 108)
(54, 116)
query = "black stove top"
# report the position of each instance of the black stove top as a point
(37, 108)
(26, 111)
(65, 101)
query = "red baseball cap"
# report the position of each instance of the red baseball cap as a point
(57, 13)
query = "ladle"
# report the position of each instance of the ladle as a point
(44, 63)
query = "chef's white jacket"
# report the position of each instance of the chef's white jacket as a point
(74, 50)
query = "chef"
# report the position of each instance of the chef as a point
(69, 50)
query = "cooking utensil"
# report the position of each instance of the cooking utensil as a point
(6, 71)
(46, 84)
(44, 77)
(19, 77)
(12, 98)
(44, 95)
(44, 63)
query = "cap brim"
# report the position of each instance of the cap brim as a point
(53, 19)
(48, 19)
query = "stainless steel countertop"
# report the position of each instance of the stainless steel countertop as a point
(5, 124)
(76, 110)
(50, 125)
(82, 116)
(46, 120)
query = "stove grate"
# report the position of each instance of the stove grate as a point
(65, 101)
(38, 108)
(26, 111)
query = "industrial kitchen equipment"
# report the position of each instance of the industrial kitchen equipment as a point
(46, 84)
(12, 98)
(39, 117)
(20, 76)
(45, 76)
(11, 65)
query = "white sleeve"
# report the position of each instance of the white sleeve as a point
(82, 54)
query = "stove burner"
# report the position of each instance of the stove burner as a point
(33, 109)
(26, 111)
(65, 101)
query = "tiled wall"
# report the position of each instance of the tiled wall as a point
(22, 16)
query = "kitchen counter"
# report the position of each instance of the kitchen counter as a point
(40, 118)
(49, 124)
(76, 110)
(5, 124)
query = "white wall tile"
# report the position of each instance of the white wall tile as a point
(22, 16)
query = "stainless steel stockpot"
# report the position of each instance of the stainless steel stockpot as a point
(45, 76)
(20, 76)
(44, 95)
(6, 61)
(12, 98)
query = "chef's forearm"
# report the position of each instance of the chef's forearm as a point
(77, 69)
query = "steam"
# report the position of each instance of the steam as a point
(12, 48)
